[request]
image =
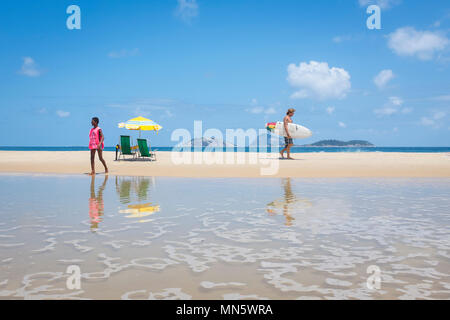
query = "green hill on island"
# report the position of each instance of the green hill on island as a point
(337, 143)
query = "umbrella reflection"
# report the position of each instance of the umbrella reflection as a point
(96, 205)
(131, 189)
(140, 211)
(288, 203)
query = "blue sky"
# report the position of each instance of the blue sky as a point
(231, 64)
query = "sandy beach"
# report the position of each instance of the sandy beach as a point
(306, 165)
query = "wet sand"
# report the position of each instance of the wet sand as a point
(307, 165)
(233, 238)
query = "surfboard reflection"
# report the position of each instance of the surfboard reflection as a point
(288, 204)
(134, 192)
(96, 205)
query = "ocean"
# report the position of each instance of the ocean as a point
(247, 149)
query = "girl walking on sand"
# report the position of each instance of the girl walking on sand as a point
(96, 140)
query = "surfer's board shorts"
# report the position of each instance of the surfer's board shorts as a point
(288, 141)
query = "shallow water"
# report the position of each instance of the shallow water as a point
(168, 238)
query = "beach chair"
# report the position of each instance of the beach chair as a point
(145, 151)
(125, 147)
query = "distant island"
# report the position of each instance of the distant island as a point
(337, 143)
(212, 142)
(206, 142)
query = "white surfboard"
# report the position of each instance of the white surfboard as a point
(296, 131)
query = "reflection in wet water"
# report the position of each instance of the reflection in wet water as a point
(133, 188)
(129, 188)
(96, 205)
(224, 238)
(288, 203)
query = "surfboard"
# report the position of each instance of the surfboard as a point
(296, 131)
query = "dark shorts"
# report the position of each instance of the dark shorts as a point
(288, 141)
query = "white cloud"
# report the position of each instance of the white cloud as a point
(63, 114)
(424, 45)
(342, 125)
(434, 120)
(383, 4)
(156, 108)
(187, 10)
(270, 111)
(123, 53)
(442, 98)
(168, 114)
(330, 110)
(29, 68)
(426, 121)
(159, 108)
(256, 110)
(439, 22)
(439, 115)
(339, 39)
(317, 80)
(262, 110)
(396, 101)
(393, 106)
(385, 111)
(382, 79)
(407, 110)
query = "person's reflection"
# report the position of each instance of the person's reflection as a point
(285, 203)
(96, 206)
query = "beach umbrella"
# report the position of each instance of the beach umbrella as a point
(140, 211)
(141, 124)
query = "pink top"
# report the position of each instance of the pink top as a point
(96, 209)
(94, 138)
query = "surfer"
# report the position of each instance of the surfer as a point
(288, 142)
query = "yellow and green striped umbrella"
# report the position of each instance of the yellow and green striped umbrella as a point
(141, 124)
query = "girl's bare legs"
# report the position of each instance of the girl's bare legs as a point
(100, 156)
(92, 162)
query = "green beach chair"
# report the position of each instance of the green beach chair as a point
(145, 151)
(125, 147)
